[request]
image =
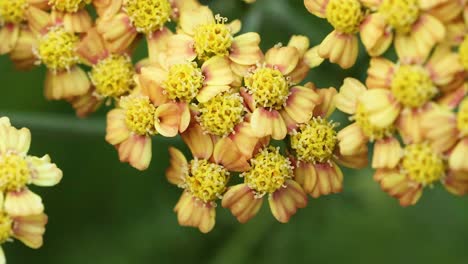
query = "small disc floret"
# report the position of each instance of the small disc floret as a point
(183, 81)
(400, 14)
(70, 6)
(206, 181)
(148, 16)
(372, 132)
(14, 172)
(213, 39)
(113, 76)
(6, 227)
(221, 114)
(422, 164)
(462, 117)
(268, 86)
(463, 53)
(57, 49)
(13, 11)
(139, 114)
(269, 171)
(315, 141)
(412, 86)
(345, 15)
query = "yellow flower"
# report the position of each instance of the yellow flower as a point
(204, 35)
(400, 92)
(314, 146)
(179, 82)
(205, 178)
(15, 37)
(18, 170)
(73, 14)
(272, 97)
(346, 16)
(416, 30)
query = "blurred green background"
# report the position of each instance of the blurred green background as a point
(106, 212)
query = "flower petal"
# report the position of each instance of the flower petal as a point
(241, 201)
(178, 169)
(136, 150)
(116, 129)
(306, 176)
(285, 201)
(329, 179)
(167, 119)
(387, 153)
(268, 123)
(23, 203)
(195, 213)
(199, 143)
(217, 71)
(245, 49)
(346, 100)
(227, 154)
(43, 171)
(285, 59)
(30, 229)
(383, 109)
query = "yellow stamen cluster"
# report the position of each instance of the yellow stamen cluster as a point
(139, 114)
(206, 181)
(13, 11)
(422, 164)
(463, 53)
(113, 76)
(315, 141)
(462, 117)
(214, 39)
(221, 114)
(57, 49)
(268, 86)
(345, 15)
(148, 16)
(14, 172)
(269, 171)
(183, 81)
(6, 227)
(369, 130)
(412, 86)
(70, 6)
(400, 14)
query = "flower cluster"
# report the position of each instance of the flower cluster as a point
(254, 127)
(22, 211)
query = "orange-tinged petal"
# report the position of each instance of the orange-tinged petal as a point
(22, 203)
(383, 109)
(9, 35)
(285, 201)
(409, 125)
(245, 49)
(351, 139)
(158, 43)
(217, 71)
(329, 179)
(398, 186)
(440, 126)
(117, 32)
(306, 176)
(151, 79)
(456, 182)
(136, 150)
(387, 153)
(208, 92)
(340, 48)
(346, 100)
(116, 129)
(66, 84)
(199, 143)
(443, 65)
(375, 34)
(195, 213)
(227, 154)
(43, 171)
(316, 7)
(38, 20)
(30, 229)
(178, 168)
(78, 22)
(285, 59)
(181, 48)
(268, 123)
(327, 105)
(244, 138)
(358, 160)
(107, 8)
(191, 19)
(185, 116)
(380, 73)
(453, 98)
(301, 43)
(22, 55)
(92, 47)
(167, 119)
(457, 158)
(234, 26)
(312, 57)
(301, 103)
(241, 201)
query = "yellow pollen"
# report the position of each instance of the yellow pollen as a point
(369, 130)
(412, 86)
(206, 181)
(113, 76)
(269, 87)
(345, 15)
(14, 172)
(315, 141)
(400, 14)
(57, 49)
(70, 6)
(6, 227)
(221, 114)
(13, 11)
(462, 118)
(139, 114)
(269, 170)
(422, 164)
(213, 39)
(183, 81)
(463, 53)
(148, 16)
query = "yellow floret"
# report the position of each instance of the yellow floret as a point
(412, 86)
(183, 81)
(13, 11)
(213, 39)
(14, 172)
(463, 52)
(207, 181)
(113, 76)
(139, 114)
(148, 16)
(400, 14)
(269, 87)
(70, 6)
(57, 49)
(372, 132)
(422, 164)
(6, 228)
(345, 15)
